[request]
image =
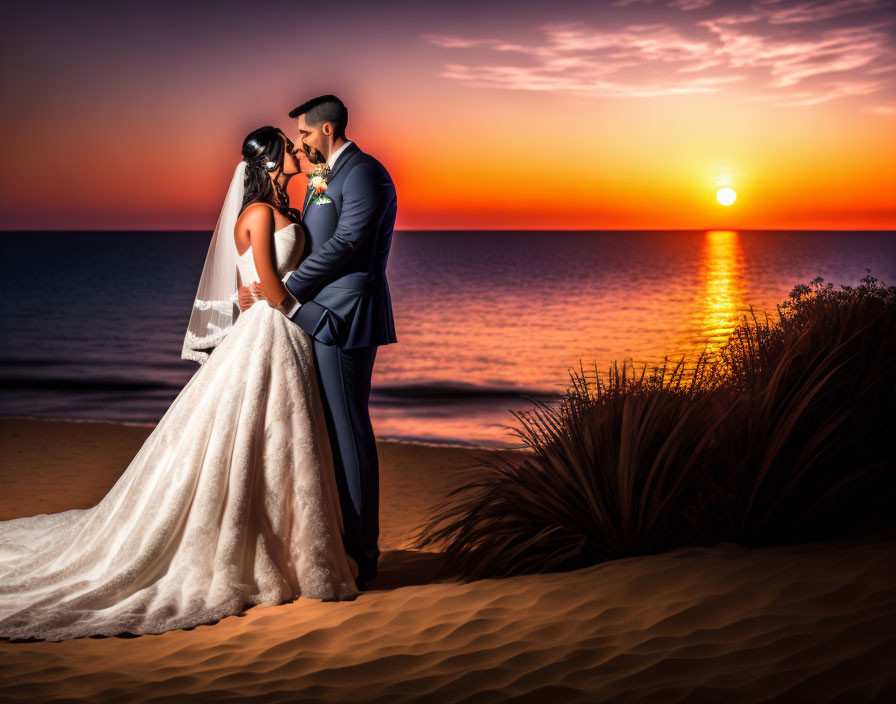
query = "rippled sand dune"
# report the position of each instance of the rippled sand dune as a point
(803, 623)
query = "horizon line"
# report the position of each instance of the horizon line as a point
(487, 229)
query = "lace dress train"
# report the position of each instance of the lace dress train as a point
(231, 501)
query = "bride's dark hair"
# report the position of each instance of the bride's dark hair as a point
(262, 146)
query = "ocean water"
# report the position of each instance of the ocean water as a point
(93, 322)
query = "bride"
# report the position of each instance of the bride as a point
(232, 500)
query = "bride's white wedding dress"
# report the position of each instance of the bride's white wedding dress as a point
(231, 501)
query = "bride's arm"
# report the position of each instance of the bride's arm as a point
(260, 223)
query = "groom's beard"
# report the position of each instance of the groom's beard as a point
(314, 155)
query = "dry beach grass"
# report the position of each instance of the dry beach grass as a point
(785, 435)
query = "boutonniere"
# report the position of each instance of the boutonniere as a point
(317, 181)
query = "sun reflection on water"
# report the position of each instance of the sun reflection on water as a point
(720, 271)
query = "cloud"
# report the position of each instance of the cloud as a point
(582, 62)
(815, 11)
(689, 4)
(522, 78)
(821, 95)
(458, 42)
(882, 109)
(790, 61)
(772, 46)
(679, 4)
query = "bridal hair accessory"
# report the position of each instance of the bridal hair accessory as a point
(256, 161)
(217, 303)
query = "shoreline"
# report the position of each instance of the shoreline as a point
(389, 439)
(63, 464)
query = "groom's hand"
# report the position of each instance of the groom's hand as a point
(246, 299)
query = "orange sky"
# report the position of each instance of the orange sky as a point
(630, 115)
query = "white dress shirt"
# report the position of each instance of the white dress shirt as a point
(290, 305)
(335, 155)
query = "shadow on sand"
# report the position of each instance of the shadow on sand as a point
(406, 568)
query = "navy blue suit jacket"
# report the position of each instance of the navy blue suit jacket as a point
(342, 283)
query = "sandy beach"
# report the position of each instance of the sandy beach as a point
(805, 623)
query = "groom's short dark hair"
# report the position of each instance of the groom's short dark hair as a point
(324, 108)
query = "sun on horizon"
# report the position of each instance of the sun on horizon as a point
(726, 196)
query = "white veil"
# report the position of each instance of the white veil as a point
(216, 303)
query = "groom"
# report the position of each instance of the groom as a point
(345, 306)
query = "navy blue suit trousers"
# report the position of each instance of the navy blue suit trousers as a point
(344, 376)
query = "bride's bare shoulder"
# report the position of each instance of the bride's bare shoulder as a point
(256, 214)
(257, 218)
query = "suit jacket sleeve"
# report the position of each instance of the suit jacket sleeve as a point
(361, 194)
